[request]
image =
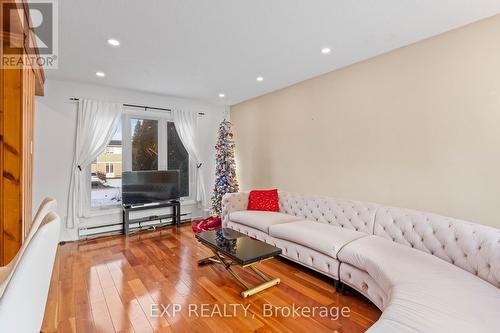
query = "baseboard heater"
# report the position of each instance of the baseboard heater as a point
(117, 228)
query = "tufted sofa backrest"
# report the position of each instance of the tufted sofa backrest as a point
(348, 214)
(473, 247)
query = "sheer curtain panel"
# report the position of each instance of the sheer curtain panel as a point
(95, 126)
(186, 124)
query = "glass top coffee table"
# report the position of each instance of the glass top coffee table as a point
(231, 248)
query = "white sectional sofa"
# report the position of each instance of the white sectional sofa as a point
(427, 273)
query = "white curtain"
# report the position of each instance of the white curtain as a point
(95, 126)
(186, 124)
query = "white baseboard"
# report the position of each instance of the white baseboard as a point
(117, 228)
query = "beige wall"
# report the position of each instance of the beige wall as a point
(418, 127)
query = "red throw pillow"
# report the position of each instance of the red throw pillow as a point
(266, 200)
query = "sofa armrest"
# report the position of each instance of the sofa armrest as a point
(233, 202)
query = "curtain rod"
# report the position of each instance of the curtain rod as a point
(142, 107)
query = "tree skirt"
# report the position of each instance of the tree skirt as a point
(211, 223)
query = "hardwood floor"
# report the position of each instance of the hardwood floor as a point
(112, 284)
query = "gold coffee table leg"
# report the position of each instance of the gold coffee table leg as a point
(208, 260)
(268, 283)
(258, 288)
(250, 290)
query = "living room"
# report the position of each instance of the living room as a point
(237, 166)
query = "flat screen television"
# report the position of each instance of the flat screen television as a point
(143, 187)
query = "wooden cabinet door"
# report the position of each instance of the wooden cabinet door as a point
(18, 87)
(17, 159)
(12, 150)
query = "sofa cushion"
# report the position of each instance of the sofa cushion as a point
(321, 237)
(425, 293)
(298, 253)
(260, 220)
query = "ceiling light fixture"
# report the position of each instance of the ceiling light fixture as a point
(221, 95)
(113, 42)
(100, 74)
(326, 50)
(260, 79)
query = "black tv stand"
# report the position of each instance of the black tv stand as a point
(175, 215)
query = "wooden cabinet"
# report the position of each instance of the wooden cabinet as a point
(17, 103)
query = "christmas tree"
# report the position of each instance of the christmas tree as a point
(225, 167)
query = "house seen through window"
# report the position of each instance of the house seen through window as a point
(106, 174)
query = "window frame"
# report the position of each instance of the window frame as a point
(163, 119)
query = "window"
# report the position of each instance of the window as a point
(177, 157)
(110, 169)
(106, 174)
(145, 142)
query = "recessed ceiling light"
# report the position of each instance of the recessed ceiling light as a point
(326, 50)
(221, 95)
(113, 42)
(260, 79)
(100, 74)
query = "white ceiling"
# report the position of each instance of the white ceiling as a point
(199, 48)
